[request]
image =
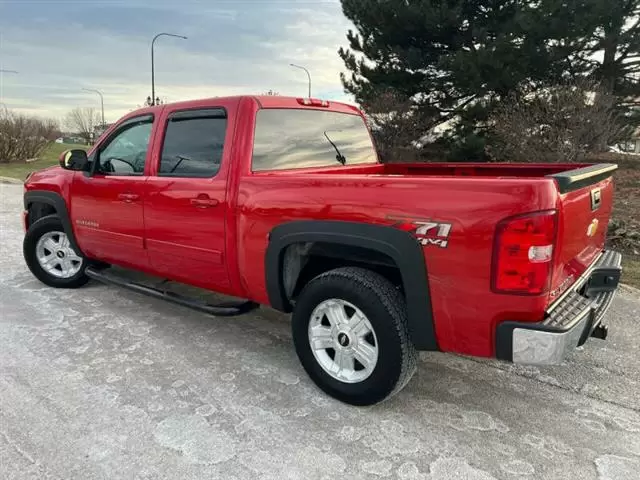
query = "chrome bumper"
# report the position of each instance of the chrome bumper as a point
(569, 322)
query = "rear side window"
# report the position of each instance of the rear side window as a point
(298, 138)
(193, 143)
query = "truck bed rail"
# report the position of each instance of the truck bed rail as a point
(580, 177)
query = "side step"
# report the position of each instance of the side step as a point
(228, 309)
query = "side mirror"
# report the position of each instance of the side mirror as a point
(75, 159)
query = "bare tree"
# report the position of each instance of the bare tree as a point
(23, 137)
(395, 125)
(271, 93)
(563, 123)
(82, 121)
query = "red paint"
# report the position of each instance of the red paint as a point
(115, 204)
(576, 251)
(221, 245)
(25, 220)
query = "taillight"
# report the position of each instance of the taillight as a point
(313, 102)
(523, 253)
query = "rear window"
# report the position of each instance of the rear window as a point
(297, 138)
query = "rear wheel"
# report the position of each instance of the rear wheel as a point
(50, 256)
(350, 333)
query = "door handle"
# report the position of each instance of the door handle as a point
(203, 201)
(128, 197)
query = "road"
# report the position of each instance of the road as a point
(100, 383)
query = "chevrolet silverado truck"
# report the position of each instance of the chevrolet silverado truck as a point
(283, 202)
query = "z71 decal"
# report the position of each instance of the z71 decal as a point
(426, 232)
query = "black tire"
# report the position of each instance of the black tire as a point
(385, 309)
(50, 223)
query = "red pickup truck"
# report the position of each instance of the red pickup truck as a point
(282, 202)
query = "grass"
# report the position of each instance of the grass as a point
(48, 157)
(631, 269)
(625, 208)
(627, 189)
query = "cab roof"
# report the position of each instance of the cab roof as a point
(264, 101)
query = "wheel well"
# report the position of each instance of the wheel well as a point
(304, 261)
(37, 210)
(298, 249)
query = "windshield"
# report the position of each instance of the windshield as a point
(299, 138)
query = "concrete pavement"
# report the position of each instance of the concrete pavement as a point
(102, 383)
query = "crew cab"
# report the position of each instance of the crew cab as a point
(282, 202)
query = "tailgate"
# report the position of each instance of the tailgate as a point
(584, 207)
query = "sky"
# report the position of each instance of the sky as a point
(233, 47)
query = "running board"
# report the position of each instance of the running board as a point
(228, 309)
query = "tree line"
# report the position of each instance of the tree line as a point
(23, 137)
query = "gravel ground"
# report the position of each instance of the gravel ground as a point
(102, 383)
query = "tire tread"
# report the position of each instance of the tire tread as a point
(394, 303)
(39, 227)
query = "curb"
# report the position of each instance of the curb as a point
(12, 181)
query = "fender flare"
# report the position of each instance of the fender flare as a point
(56, 201)
(400, 246)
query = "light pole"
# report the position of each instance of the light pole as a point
(308, 75)
(153, 74)
(101, 101)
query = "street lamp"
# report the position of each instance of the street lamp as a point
(308, 75)
(153, 74)
(101, 101)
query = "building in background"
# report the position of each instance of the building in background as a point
(70, 139)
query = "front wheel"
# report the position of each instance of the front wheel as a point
(350, 333)
(50, 257)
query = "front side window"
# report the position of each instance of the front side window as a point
(193, 143)
(298, 138)
(126, 153)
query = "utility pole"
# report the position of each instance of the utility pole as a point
(153, 74)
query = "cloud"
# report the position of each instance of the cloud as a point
(234, 47)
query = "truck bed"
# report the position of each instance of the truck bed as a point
(473, 198)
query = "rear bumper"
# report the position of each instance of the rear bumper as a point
(569, 322)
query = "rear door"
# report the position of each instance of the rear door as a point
(186, 198)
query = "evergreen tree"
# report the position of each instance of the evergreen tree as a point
(456, 59)
(611, 50)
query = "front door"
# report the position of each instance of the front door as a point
(186, 199)
(107, 207)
